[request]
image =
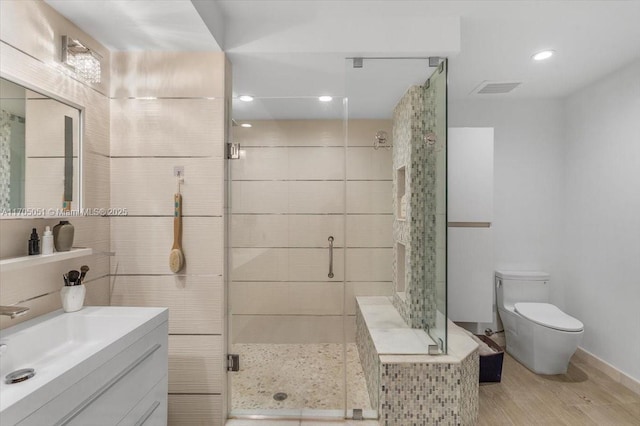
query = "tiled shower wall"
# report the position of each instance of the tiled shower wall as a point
(167, 110)
(34, 61)
(417, 231)
(421, 111)
(288, 196)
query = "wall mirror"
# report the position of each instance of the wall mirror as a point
(39, 154)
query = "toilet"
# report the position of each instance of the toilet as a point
(538, 334)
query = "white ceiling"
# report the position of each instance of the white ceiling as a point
(298, 47)
(140, 24)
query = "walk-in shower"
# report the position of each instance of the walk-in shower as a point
(311, 228)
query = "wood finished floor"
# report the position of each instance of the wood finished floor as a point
(584, 396)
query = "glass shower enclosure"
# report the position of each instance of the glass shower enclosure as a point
(287, 291)
(311, 225)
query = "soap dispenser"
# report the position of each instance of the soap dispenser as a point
(47, 241)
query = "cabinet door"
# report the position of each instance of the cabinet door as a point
(117, 400)
(470, 174)
(470, 274)
(107, 394)
(152, 409)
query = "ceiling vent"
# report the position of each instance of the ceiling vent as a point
(495, 87)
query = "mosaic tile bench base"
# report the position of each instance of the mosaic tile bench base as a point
(411, 388)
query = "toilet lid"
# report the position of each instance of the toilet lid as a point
(549, 316)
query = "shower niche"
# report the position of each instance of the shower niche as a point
(401, 195)
(400, 269)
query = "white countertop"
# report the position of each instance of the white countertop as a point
(396, 342)
(64, 347)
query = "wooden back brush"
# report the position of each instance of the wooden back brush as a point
(176, 257)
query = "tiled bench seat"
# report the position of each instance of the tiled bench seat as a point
(406, 384)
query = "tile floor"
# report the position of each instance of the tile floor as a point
(238, 422)
(583, 397)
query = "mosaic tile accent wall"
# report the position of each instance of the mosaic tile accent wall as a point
(368, 359)
(5, 159)
(429, 394)
(413, 118)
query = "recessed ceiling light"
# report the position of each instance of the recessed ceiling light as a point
(325, 98)
(246, 125)
(246, 98)
(542, 55)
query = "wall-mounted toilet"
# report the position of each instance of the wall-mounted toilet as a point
(538, 334)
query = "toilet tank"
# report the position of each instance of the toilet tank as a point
(521, 286)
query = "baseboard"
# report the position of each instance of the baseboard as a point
(590, 359)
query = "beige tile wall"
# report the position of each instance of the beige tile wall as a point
(288, 195)
(30, 40)
(183, 125)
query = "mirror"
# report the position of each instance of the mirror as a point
(39, 154)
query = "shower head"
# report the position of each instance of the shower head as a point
(381, 140)
(430, 139)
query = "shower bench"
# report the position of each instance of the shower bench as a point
(407, 385)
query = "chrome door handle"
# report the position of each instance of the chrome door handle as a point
(330, 257)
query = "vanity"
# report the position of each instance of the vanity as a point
(101, 365)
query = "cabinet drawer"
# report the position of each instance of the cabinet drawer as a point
(158, 417)
(152, 409)
(107, 394)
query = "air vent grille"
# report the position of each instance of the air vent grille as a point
(496, 87)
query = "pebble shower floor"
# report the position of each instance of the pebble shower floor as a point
(310, 375)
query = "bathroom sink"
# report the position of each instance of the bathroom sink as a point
(64, 347)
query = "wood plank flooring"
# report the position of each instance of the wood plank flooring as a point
(584, 396)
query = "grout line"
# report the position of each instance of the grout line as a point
(195, 334)
(195, 393)
(311, 180)
(167, 156)
(155, 98)
(166, 275)
(75, 157)
(312, 247)
(309, 214)
(100, 154)
(339, 315)
(308, 146)
(55, 291)
(165, 215)
(301, 282)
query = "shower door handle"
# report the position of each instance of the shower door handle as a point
(330, 257)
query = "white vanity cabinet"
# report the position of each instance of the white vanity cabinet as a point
(116, 389)
(123, 383)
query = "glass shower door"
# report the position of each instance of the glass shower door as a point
(435, 125)
(390, 251)
(286, 292)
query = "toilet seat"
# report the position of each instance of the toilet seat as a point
(548, 315)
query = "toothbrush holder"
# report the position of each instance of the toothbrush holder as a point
(73, 297)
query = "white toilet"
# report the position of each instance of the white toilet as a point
(538, 334)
